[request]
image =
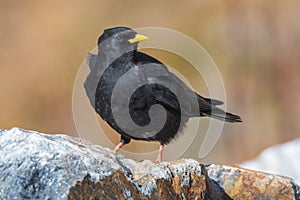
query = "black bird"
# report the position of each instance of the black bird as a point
(156, 85)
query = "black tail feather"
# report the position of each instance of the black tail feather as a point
(219, 114)
(214, 102)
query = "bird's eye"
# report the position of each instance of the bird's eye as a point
(119, 38)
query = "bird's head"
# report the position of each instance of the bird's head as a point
(119, 40)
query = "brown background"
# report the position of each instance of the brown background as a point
(255, 44)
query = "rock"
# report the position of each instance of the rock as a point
(241, 183)
(271, 160)
(40, 166)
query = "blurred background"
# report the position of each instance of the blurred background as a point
(255, 44)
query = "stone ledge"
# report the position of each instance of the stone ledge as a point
(40, 166)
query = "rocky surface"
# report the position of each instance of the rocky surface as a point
(271, 160)
(40, 166)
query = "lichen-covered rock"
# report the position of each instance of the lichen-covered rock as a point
(270, 160)
(240, 183)
(41, 166)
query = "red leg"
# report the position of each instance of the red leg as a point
(118, 147)
(160, 153)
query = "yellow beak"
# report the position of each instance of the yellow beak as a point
(138, 38)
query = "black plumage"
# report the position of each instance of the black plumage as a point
(118, 55)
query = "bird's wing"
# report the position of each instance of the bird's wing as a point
(190, 101)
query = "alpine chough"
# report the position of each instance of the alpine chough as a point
(147, 82)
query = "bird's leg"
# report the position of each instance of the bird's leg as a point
(118, 147)
(160, 153)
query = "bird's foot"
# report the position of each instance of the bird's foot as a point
(118, 147)
(160, 153)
